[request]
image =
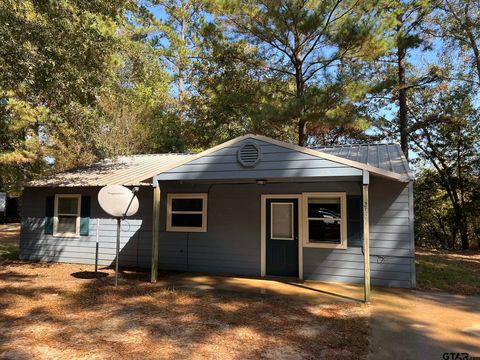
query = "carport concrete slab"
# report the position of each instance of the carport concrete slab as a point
(316, 291)
(405, 324)
(410, 324)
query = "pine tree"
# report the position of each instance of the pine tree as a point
(307, 43)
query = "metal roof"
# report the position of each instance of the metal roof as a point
(124, 170)
(137, 170)
(383, 156)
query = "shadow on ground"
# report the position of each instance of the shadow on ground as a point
(406, 323)
(89, 274)
(47, 312)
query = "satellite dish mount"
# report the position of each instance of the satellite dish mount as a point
(119, 202)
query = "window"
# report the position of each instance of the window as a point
(187, 212)
(67, 215)
(325, 220)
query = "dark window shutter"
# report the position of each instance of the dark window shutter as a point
(49, 212)
(354, 221)
(85, 216)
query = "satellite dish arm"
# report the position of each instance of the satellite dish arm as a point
(134, 193)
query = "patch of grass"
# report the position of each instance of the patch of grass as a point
(9, 235)
(8, 252)
(452, 272)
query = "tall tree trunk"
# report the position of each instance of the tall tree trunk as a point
(476, 52)
(464, 220)
(402, 92)
(300, 94)
(477, 60)
(460, 225)
(180, 61)
(453, 237)
(464, 234)
(443, 237)
(302, 133)
(466, 25)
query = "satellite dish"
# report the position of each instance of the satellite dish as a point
(118, 201)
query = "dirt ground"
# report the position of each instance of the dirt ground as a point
(58, 311)
(464, 255)
(63, 311)
(9, 233)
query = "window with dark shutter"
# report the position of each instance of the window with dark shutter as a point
(325, 220)
(66, 221)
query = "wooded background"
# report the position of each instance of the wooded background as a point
(84, 80)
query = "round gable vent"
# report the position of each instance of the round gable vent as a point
(249, 155)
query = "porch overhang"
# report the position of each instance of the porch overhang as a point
(355, 180)
(287, 176)
(278, 162)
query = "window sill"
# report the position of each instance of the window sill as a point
(342, 246)
(185, 229)
(67, 235)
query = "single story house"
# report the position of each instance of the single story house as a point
(253, 206)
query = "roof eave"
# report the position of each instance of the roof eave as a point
(77, 185)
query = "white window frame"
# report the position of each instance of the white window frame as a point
(271, 220)
(170, 197)
(343, 219)
(56, 215)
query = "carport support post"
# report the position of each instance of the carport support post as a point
(366, 238)
(155, 230)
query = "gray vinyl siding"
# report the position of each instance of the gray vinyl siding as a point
(391, 243)
(276, 162)
(135, 240)
(232, 242)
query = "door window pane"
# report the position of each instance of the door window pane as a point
(282, 221)
(68, 206)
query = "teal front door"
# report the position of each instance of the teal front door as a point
(281, 228)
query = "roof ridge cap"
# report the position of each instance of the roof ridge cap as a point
(152, 154)
(352, 145)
